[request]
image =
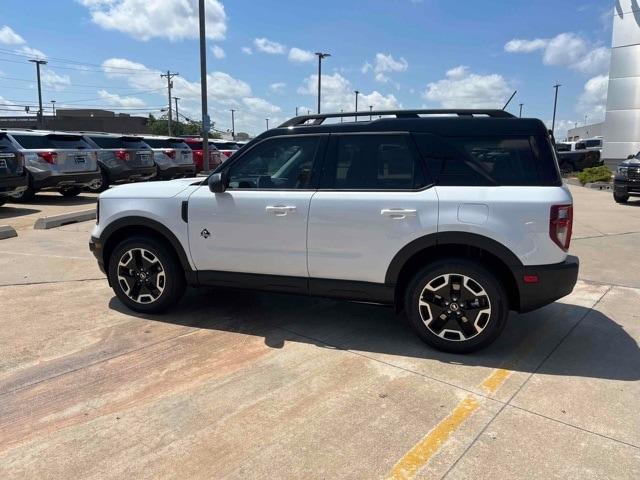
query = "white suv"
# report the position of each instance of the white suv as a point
(456, 216)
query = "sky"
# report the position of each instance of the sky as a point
(260, 61)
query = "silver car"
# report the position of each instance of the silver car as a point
(55, 161)
(173, 157)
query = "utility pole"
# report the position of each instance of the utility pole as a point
(296, 111)
(53, 107)
(206, 121)
(267, 120)
(233, 124)
(38, 63)
(370, 110)
(177, 114)
(555, 106)
(357, 92)
(169, 75)
(521, 105)
(321, 56)
(341, 118)
(585, 119)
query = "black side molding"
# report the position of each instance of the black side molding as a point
(185, 211)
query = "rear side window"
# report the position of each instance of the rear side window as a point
(372, 162)
(593, 143)
(470, 161)
(157, 143)
(33, 141)
(107, 142)
(5, 143)
(134, 143)
(68, 141)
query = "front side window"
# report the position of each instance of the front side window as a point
(372, 162)
(276, 163)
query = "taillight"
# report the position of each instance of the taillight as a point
(170, 153)
(227, 153)
(561, 225)
(49, 157)
(122, 155)
(198, 154)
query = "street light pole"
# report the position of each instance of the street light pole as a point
(267, 120)
(203, 87)
(555, 106)
(521, 105)
(296, 111)
(53, 107)
(38, 63)
(357, 92)
(233, 124)
(370, 110)
(321, 56)
(177, 114)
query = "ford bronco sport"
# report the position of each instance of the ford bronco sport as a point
(455, 216)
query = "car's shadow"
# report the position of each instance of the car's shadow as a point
(12, 210)
(599, 348)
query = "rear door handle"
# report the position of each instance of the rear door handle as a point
(398, 213)
(280, 210)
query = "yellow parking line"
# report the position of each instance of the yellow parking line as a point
(420, 454)
(494, 381)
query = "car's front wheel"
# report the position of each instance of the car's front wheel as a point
(146, 275)
(620, 198)
(456, 305)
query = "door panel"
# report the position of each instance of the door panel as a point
(260, 231)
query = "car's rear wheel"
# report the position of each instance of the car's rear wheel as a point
(26, 195)
(146, 275)
(620, 198)
(101, 184)
(456, 305)
(70, 191)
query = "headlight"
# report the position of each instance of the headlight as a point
(623, 171)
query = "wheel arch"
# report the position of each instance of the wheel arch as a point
(489, 253)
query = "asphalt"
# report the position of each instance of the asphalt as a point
(247, 385)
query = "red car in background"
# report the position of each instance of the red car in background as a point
(227, 148)
(215, 156)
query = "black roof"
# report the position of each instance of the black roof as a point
(439, 122)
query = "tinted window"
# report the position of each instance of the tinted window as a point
(33, 141)
(178, 144)
(593, 143)
(5, 143)
(197, 145)
(107, 142)
(134, 143)
(480, 161)
(372, 162)
(563, 147)
(277, 163)
(226, 145)
(68, 141)
(157, 143)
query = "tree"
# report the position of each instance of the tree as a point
(159, 126)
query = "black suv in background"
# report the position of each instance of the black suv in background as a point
(122, 159)
(13, 176)
(627, 180)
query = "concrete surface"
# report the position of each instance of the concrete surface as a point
(55, 221)
(246, 385)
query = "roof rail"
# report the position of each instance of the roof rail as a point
(320, 118)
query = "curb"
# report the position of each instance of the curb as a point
(7, 232)
(54, 221)
(599, 186)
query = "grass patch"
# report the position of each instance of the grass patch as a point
(595, 174)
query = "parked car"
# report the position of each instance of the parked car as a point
(122, 159)
(55, 161)
(399, 211)
(227, 148)
(215, 157)
(626, 182)
(172, 156)
(13, 176)
(577, 160)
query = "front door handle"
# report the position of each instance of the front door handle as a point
(280, 210)
(398, 213)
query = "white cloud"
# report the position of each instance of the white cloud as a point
(566, 49)
(144, 20)
(593, 100)
(259, 105)
(247, 50)
(33, 53)
(299, 55)
(268, 46)
(222, 85)
(218, 52)
(9, 37)
(278, 87)
(463, 89)
(384, 65)
(54, 81)
(119, 101)
(338, 94)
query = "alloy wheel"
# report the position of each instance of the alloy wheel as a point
(454, 307)
(141, 275)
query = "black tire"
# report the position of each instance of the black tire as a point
(27, 195)
(3, 200)
(70, 191)
(478, 317)
(103, 183)
(620, 198)
(167, 292)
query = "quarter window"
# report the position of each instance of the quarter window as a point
(372, 162)
(277, 163)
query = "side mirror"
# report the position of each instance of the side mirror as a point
(630, 157)
(218, 182)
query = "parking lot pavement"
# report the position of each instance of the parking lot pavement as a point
(22, 216)
(246, 385)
